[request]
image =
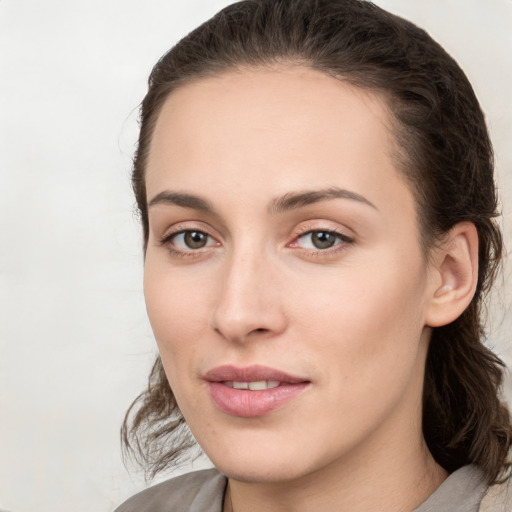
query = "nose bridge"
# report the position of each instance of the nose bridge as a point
(248, 298)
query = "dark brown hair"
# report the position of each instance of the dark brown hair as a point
(446, 155)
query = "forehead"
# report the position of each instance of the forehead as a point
(286, 100)
(286, 126)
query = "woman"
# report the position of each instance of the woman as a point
(315, 183)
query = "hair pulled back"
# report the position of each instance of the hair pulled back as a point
(445, 154)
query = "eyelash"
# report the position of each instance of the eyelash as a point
(166, 241)
(341, 244)
(342, 241)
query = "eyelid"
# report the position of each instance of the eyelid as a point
(187, 225)
(182, 228)
(344, 239)
(341, 236)
(326, 226)
(185, 231)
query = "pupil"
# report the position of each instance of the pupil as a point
(195, 239)
(323, 240)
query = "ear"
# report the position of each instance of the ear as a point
(454, 275)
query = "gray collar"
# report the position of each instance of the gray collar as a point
(462, 491)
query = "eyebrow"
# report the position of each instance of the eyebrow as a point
(181, 199)
(288, 201)
(294, 200)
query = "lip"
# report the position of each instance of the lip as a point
(247, 403)
(228, 373)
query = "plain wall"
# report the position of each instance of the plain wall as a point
(75, 344)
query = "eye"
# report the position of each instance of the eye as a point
(321, 239)
(191, 240)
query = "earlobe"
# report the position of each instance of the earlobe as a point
(455, 269)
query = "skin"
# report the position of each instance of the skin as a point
(354, 319)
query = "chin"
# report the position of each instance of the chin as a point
(259, 462)
(251, 472)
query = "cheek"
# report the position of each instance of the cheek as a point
(176, 306)
(175, 310)
(366, 322)
(363, 299)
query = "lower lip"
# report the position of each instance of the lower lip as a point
(251, 404)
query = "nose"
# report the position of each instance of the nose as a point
(249, 302)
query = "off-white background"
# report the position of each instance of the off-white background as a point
(75, 343)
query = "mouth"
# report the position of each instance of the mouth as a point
(252, 391)
(257, 385)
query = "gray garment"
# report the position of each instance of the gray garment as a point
(199, 491)
(203, 491)
(462, 491)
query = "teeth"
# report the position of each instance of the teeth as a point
(255, 385)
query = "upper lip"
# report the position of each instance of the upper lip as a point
(254, 373)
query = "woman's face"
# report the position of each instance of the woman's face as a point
(284, 254)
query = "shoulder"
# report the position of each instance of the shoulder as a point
(465, 490)
(199, 491)
(498, 498)
(462, 491)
